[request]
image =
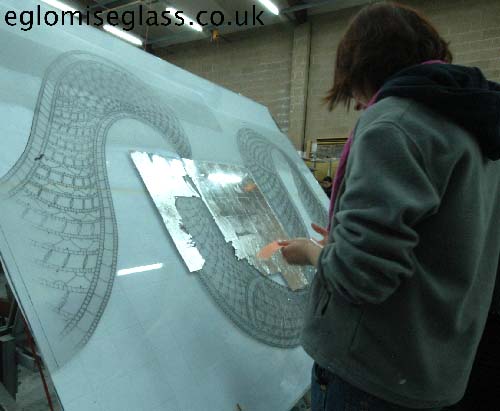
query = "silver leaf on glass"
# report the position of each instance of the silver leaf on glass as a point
(166, 180)
(234, 200)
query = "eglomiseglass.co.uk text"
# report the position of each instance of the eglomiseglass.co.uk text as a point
(127, 20)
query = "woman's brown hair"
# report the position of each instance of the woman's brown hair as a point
(381, 40)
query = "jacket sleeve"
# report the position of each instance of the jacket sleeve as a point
(388, 192)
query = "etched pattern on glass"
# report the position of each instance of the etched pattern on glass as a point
(268, 311)
(257, 154)
(58, 199)
(58, 192)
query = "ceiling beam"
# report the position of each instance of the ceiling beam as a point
(108, 4)
(308, 6)
(300, 15)
(86, 3)
(220, 8)
(178, 36)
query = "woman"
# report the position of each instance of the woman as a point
(405, 280)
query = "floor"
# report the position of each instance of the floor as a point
(31, 395)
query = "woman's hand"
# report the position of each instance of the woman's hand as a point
(323, 232)
(300, 251)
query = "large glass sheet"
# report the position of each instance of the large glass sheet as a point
(119, 320)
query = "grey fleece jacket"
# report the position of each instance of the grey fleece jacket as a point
(405, 284)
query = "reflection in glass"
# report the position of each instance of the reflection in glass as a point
(140, 269)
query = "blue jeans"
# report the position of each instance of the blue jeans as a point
(330, 393)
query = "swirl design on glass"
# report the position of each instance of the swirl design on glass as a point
(59, 187)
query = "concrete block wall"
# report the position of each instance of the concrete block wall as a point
(326, 34)
(473, 28)
(290, 69)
